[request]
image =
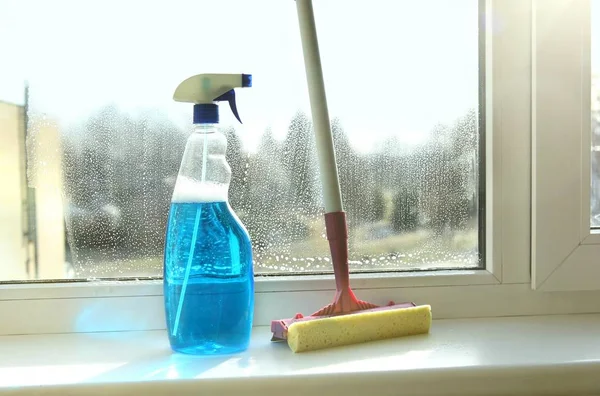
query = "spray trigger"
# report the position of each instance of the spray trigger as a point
(229, 96)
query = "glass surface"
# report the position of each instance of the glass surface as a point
(595, 190)
(90, 154)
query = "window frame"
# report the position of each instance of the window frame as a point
(565, 250)
(503, 288)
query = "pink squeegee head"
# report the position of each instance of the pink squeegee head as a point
(348, 319)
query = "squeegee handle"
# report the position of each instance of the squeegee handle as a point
(332, 196)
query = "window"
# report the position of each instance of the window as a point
(104, 139)
(470, 101)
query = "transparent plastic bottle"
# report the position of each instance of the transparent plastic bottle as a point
(208, 275)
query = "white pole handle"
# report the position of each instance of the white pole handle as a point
(318, 104)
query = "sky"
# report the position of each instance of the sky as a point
(391, 67)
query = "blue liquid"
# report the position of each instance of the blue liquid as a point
(216, 314)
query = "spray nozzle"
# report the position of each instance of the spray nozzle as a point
(205, 89)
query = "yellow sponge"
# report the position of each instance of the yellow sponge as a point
(358, 327)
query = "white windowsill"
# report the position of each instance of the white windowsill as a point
(516, 355)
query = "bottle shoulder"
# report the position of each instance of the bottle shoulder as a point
(238, 221)
(218, 215)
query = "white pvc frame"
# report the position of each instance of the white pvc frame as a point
(566, 253)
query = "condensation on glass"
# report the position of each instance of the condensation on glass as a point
(595, 154)
(105, 139)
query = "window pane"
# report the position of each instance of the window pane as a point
(595, 191)
(104, 139)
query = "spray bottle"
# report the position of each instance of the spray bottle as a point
(208, 275)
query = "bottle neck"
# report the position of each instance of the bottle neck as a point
(204, 174)
(205, 128)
